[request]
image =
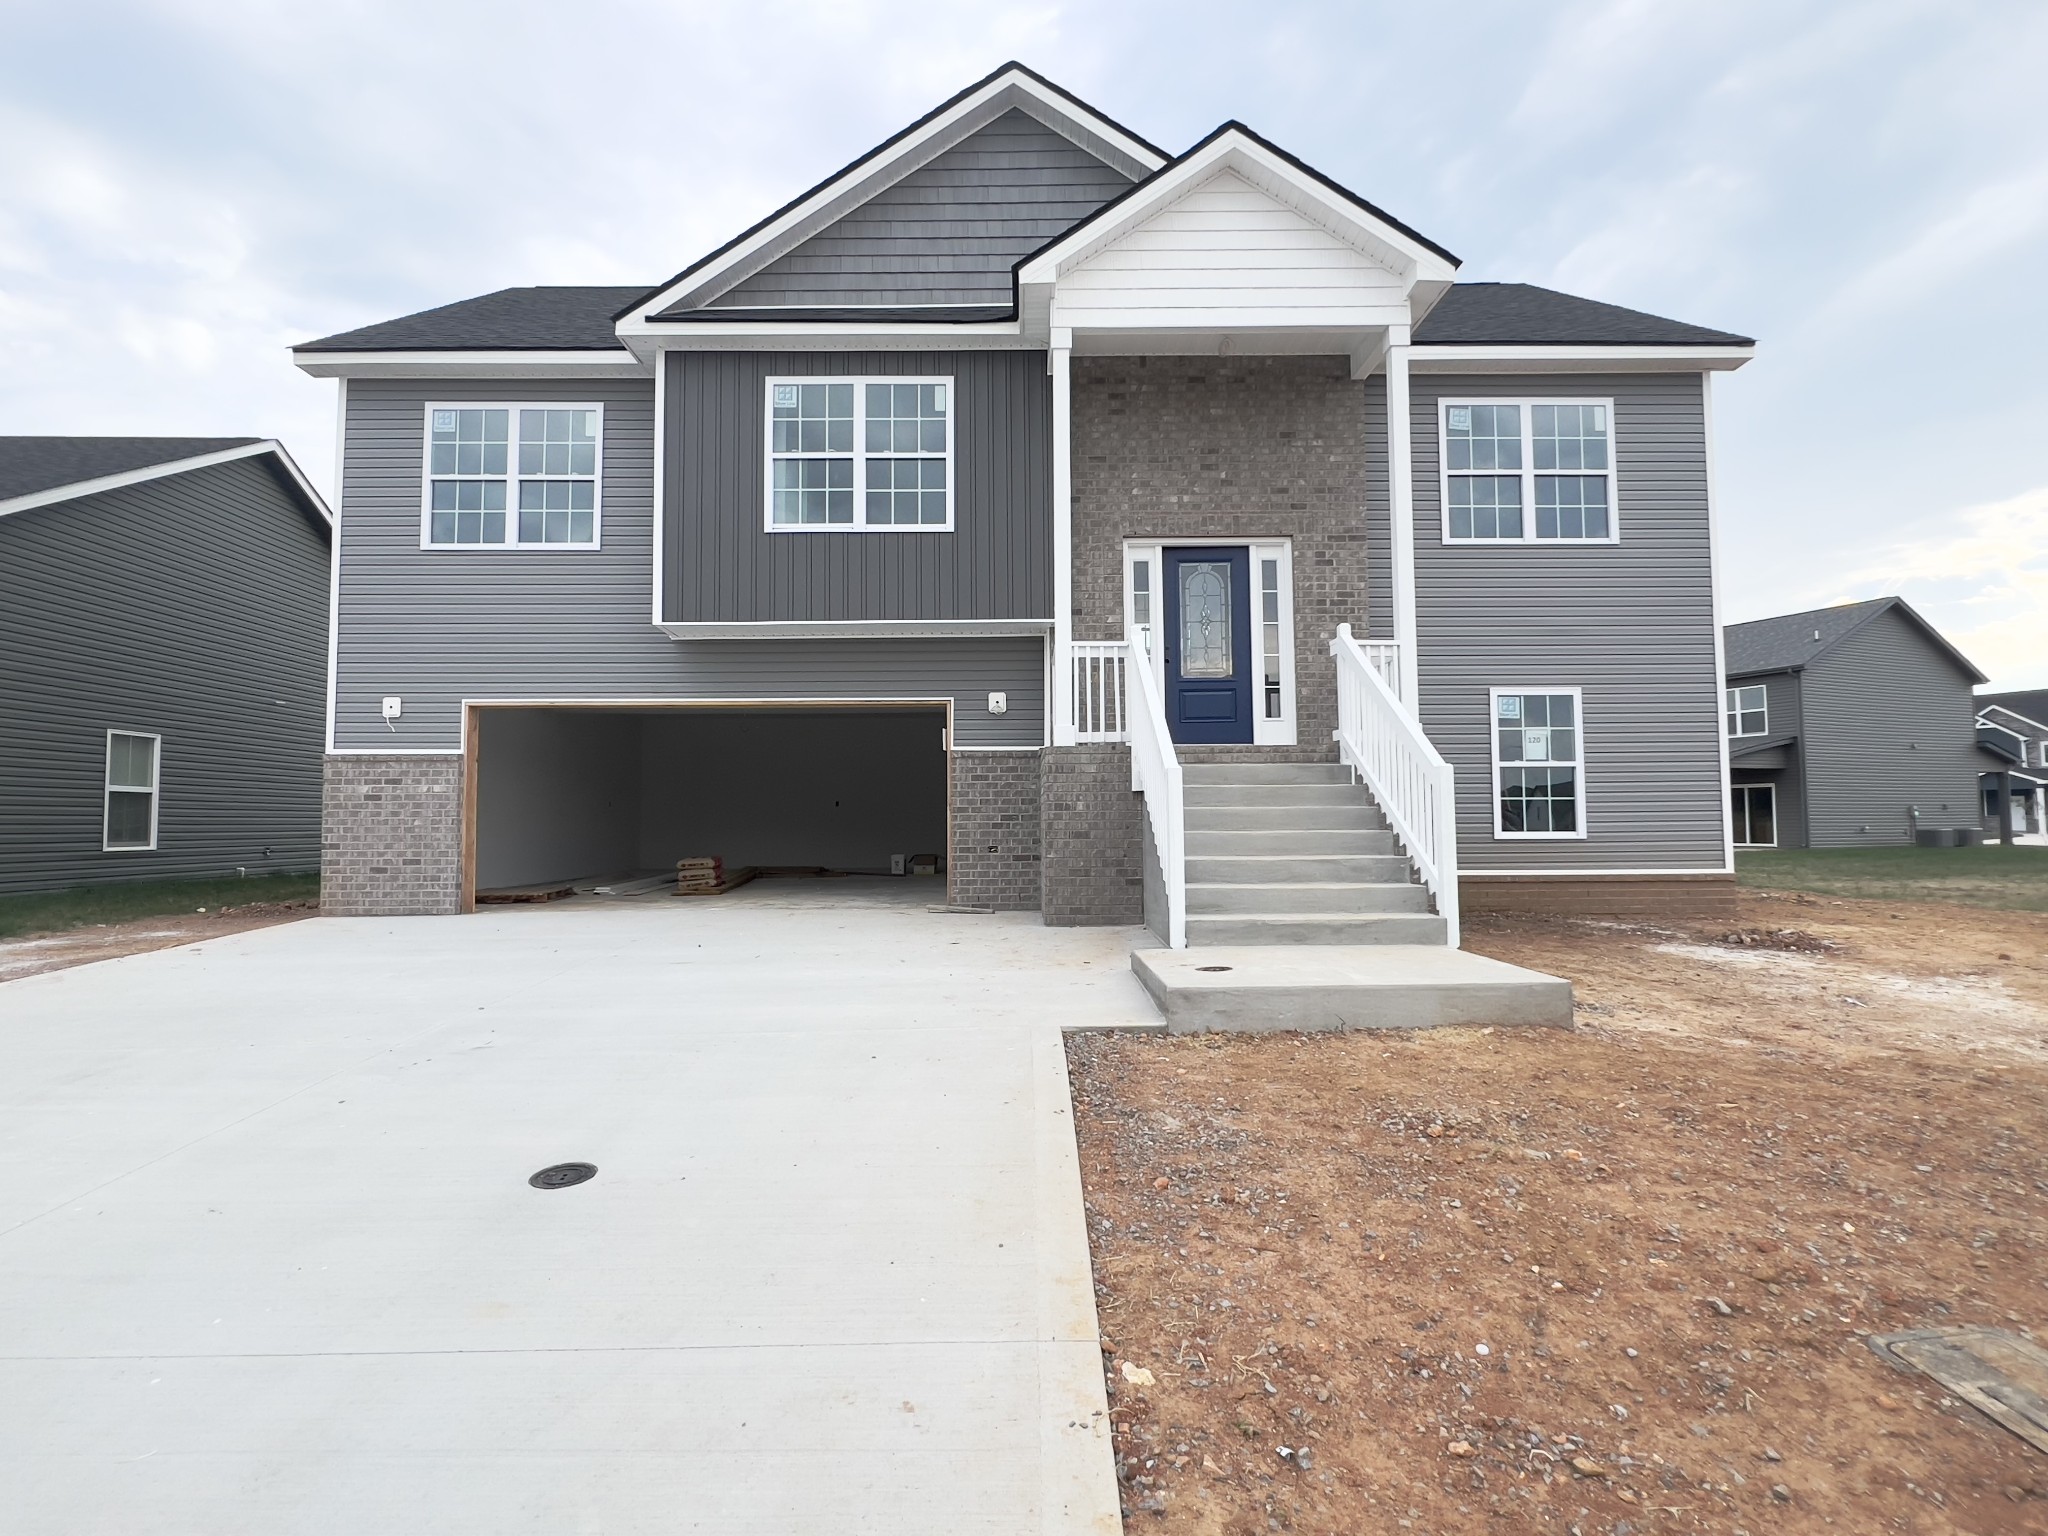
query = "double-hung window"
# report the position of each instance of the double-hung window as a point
(513, 476)
(1528, 470)
(859, 454)
(1538, 746)
(130, 821)
(1748, 711)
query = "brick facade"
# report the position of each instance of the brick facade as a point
(1092, 837)
(1700, 897)
(1191, 448)
(391, 836)
(994, 861)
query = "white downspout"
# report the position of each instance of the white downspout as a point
(1401, 512)
(1061, 703)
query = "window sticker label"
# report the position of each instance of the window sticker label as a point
(444, 421)
(785, 395)
(1461, 418)
(1510, 707)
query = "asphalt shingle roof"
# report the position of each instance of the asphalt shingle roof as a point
(1789, 640)
(1520, 314)
(32, 464)
(580, 319)
(2031, 702)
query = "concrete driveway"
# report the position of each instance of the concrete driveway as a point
(269, 1261)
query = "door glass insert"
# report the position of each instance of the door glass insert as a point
(1205, 618)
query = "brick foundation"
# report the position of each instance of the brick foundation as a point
(1680, 896)
(391, 836)
(994, 861)
(1092, 837)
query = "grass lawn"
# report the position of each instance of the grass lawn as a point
(1985, 876)
(54, 911)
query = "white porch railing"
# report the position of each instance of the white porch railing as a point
(1383, 743)
(1101, 700)
(1385, 659)
(1155, 773)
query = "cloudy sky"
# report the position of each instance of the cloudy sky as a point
(188, 186)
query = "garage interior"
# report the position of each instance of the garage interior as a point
(577, 794)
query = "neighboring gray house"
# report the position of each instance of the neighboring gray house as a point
(163, 643)
(2014, 741)
(1849, 727)
(1018, 464)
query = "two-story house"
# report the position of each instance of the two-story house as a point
(1086, 515)
(1849, 727)
(2014, 743)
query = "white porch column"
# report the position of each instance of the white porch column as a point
(1401, 504)
(1061, 704)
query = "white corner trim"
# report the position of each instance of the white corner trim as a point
(94, 487)
(1721, 636)
(481, 363)
(658, 576)
(1571, 359)
(334, 553)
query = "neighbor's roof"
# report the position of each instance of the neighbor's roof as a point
(40, 471)
(2029, 702)
(581, 320)
(1794, 640)
(32, 464)
(1520, 314)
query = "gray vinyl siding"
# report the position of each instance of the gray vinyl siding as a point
(1890, 723)
(950, 231)
(723, 563)
(1781, 704)
(437, 626)
(192, 608)
(1631, 624)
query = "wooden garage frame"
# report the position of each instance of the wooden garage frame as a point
(473, 711)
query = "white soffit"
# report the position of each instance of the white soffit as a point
(1010, 87)
(482, 364)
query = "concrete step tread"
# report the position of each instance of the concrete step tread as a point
(1265, 773)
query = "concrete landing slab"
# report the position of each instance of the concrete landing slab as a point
(1253, 989)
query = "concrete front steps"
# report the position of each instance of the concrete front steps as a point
(1295, 853)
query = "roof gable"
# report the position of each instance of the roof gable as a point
(1012, 88)
(44, 471)
(1795, 640)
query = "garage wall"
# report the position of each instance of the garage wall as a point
(558, 796)
(839, 789)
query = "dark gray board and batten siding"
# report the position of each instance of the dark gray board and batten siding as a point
(193, 607)
(437, 626)
(950, 231)
(1631, 624)
(1890, 723)
(725, 565)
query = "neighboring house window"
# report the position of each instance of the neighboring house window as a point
(513, 476)
(1527, 470)
(1754, 808)
(1538, 747)
(1748, 712)
(131, 792)
(850, 454)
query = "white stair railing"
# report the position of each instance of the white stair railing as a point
(1384, 744)
(1155, 774)
(1385, 656)
(1101, 702)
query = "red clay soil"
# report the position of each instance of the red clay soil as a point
(1615, 1280)
(107, 941)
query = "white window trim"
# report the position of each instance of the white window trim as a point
(1493, 753)
(1528, 471)
(860, 523)
(512, 475)
(1772, 791)
(1265, 733)
(1732, 709)
(108, 787)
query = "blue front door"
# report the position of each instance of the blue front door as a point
(1208, 644)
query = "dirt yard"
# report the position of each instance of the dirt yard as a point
(1614, 1281)
(105, 941)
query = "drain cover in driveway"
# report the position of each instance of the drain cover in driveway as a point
(562, 1175)
(1996, 1372)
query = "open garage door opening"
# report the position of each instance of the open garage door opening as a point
(574, 796)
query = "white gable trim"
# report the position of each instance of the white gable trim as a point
(1422, 273)
(1010, 87)
(93, 487)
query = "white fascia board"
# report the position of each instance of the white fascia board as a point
(78, 488)
(608, 364)
(853, 629)
(1573, 359)
(2006, 709)
(810, 336)
(1379, 241)
(862, 180)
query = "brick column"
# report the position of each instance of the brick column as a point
(391, 836)
(994, 858)
(1091, 837)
